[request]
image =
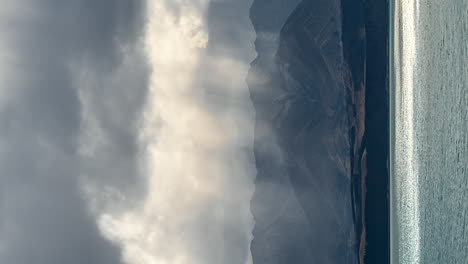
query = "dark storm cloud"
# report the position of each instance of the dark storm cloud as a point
(64, 63)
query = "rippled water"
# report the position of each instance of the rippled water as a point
(429, 140)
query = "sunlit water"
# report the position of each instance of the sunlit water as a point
(429, 140)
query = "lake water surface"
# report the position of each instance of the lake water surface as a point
(429, 131)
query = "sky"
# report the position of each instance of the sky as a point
(126, 132)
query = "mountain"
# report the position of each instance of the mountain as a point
(308, 88)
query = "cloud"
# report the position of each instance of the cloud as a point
(197, 136)
(47, 48)
(126, 132)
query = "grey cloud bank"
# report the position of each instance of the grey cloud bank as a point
(45, 47)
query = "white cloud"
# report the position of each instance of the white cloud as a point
(198, 156)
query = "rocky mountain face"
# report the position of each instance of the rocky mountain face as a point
(307, 85)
